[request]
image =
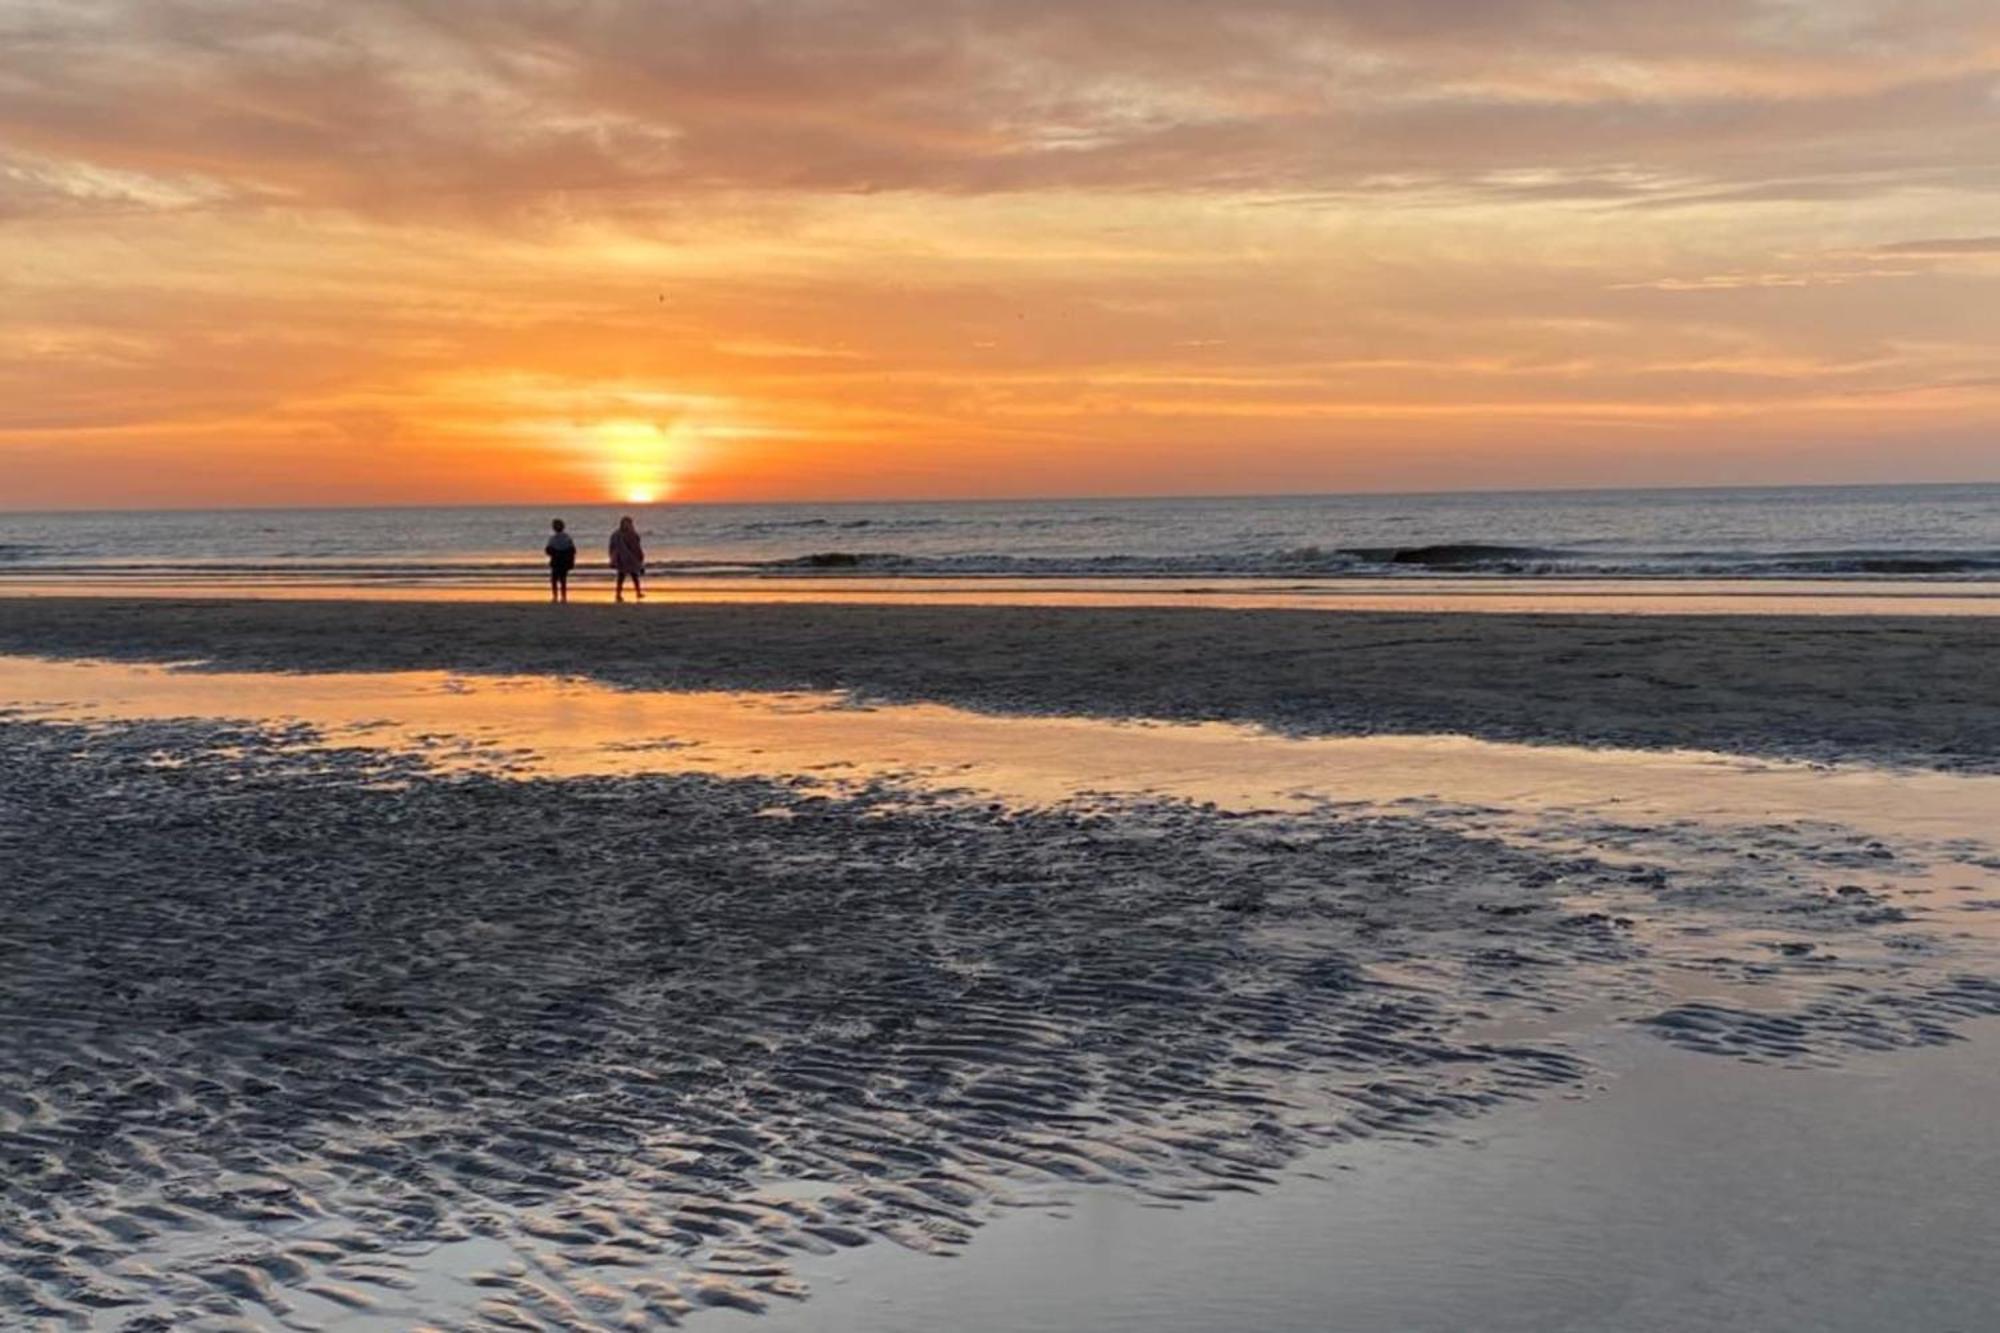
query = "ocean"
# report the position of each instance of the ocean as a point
(1937, 533)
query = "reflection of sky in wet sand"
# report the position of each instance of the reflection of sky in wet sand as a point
(1909, 845)
(534, 727)
(1614, 804)
(1493, 595)
(1687, 1193)
(1846, 842)
(1898, 842)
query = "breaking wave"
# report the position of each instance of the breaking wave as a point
(1457, 558)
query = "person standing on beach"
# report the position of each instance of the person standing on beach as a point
(628, 557)
(561, 551)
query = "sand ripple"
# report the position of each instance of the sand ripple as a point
(316, 1038)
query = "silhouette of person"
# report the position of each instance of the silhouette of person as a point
(561, 551)
(628, 557)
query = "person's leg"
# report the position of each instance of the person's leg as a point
(621, 585)
(555, 583)
(638, 588)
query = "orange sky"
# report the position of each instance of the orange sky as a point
(282, 252)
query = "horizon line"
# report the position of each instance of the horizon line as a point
(1133, 497)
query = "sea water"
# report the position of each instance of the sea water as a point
(1945, 533)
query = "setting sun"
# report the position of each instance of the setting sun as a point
(639, 459)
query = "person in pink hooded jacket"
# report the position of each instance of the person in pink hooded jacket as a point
(628, 558)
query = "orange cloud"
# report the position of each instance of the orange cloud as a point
(425, 249)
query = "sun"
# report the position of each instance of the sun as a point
(639, 460)
(636, 458)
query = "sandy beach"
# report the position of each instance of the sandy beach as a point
(456, 966)
(1907, 690)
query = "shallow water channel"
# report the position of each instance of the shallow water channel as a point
(536, 727)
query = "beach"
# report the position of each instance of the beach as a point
(1904, 689)
(480, 965)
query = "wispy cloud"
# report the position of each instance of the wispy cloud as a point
(1001, 230)
(1945, 248)
(420, 106)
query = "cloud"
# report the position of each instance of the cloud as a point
(420, 231)
(1729, 282)
(455, 108)
(1947, 248)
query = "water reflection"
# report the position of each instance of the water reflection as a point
(525, 726)
(1562, 1198)
(1829, 597)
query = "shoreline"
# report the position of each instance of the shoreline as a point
(1904, 690)
(1461, 594)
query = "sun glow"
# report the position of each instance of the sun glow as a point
(638, 458)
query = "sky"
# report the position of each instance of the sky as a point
(412, 251)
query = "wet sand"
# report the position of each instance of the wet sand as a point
(1683, 1194)
(1477, 594)
(1906, 690)
(537, 728)
(433, 1002)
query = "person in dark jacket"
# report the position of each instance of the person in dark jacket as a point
(628, 558)
(561, 551)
